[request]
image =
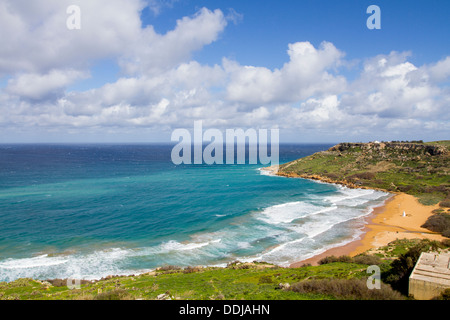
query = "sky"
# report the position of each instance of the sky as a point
(126, 71)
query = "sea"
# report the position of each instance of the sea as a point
(86, 211)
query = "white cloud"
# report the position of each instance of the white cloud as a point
(38, 39)
(392, 87)
(34, 86)
(156, 6)
(160, 87)
(306, 74)
(439, 71)
(154, 53)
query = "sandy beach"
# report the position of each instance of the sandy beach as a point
(400, 217)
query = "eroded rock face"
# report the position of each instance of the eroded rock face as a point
(414, 147)
(323, 179)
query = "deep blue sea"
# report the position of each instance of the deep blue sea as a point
(88, 211)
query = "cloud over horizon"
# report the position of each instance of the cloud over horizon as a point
(161, 86)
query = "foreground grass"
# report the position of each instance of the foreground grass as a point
(336, 278)
(245, 281)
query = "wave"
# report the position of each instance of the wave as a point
(35, 262)
(173, 245)
(306, 247)
(281, 234)
(314, 228)
(94, 265)
(267, 171)
(291, 211)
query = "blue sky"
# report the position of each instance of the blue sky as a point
(261, 35)
(136, 70)
(260, 38)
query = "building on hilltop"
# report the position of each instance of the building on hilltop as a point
(431, 275)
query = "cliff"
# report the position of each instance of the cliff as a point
(418, 148)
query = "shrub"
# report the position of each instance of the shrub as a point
(441, 188)
(366, 175)
(116, 294)
(332, 176)
(220, 297)
(85, 296)
(58, 282)
(306, 265)
(367, 259)
(331, 259)
(361, 176)
(265, 279)
(354, 289)
(445, 203)
(405, 188)
(169, 268)
(233, 264)
(360, 259)
(22, 282)
(445, 295)
(192, 269)
(439, 222)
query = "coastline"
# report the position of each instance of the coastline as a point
(385, 224)
(399, 217)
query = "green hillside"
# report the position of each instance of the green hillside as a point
(420, 169)
(336, 278)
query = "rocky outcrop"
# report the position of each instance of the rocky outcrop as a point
(320, 178)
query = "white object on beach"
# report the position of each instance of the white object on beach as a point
(404, 213)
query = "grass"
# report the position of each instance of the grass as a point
(351, 289)
(396, 248)
(203, 284)
(445, 143)
(337, 278)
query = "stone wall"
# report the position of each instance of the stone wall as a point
(431, 276)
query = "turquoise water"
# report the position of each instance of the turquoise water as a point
(91, 211)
